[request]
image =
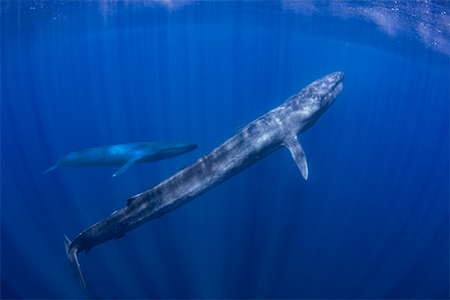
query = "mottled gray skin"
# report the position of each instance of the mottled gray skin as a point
(124, 155)
(255, 141)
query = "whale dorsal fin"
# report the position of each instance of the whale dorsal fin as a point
(131, 199)
(298, 155)
(127, 165)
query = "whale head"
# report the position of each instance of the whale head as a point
(311, 102)
(164, 150)
(329, 88)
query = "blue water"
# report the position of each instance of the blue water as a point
(371, 221)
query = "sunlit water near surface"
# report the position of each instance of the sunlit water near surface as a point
(371, 221)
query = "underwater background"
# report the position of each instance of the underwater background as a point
(371, 221)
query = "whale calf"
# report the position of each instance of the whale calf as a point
(124, 155)
(256, 140)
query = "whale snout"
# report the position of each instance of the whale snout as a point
(337, 76)
(334, 83)
(187, 146)
(181, 148)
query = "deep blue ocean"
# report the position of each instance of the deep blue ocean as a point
(371, 221)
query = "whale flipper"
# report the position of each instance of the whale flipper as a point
(52, 168)
(298, 155)
(127, 165)
(74, 265)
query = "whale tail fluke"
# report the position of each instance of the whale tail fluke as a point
(74, 265)
(52, 168)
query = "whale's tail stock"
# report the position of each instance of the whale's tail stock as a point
(74, 265)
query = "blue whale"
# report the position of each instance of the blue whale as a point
(274, 130)
(124, 155)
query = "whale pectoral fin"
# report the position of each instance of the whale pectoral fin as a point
(298, 155)
(127, 165)
(52, 168)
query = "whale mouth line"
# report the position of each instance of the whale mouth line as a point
(339, 81)
(334, 91)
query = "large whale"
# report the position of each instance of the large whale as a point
(274, 130)
(124, 155)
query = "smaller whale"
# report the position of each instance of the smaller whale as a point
(124, 155)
